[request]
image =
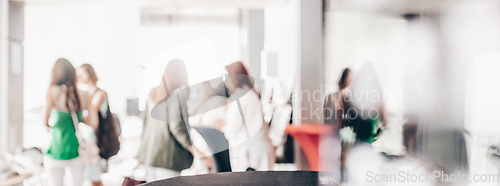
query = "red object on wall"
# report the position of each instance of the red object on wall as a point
(308, 136)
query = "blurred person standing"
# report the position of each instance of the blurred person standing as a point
(106, 131)
(365, 116)
(333, 106)
(244, 126)
(333, 156)
(63, 150)
(166, 148)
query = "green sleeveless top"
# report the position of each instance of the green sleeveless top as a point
(64, 144)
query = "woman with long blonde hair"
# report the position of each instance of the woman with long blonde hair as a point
(86, 75)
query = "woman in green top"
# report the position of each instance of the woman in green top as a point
(63, 150)
(365, 114)
(166, 148)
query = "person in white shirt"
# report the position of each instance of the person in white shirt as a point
(244, 126)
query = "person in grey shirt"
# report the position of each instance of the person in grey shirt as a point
(166, 147)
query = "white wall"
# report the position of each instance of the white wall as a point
(221, 42)
(104, 36)
(206, 50)
(112, 40)
(253, 25)
(282, 37)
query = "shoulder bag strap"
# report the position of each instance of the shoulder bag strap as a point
(58, 103)
(74, 117)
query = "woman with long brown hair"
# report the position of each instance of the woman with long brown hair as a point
(63, 150)
(166, 148)
(244, 126)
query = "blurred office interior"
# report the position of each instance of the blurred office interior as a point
(435, 60)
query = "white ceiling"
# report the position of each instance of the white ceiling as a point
(166, 3)
(393, 6)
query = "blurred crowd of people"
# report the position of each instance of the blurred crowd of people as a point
(167, 142)
(220, 129)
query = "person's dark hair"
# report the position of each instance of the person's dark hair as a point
(343, 78)
(242, 76)
(63, 73)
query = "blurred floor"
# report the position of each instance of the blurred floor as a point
(120, 165)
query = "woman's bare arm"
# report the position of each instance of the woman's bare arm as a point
(98, 99)
(49, 104)
(92, 118)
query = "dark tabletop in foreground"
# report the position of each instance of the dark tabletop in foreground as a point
(245, 178)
